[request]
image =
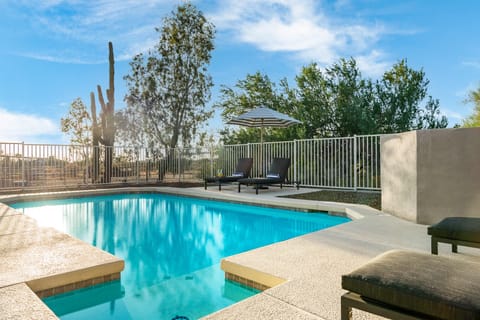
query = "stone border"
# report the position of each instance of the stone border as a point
(245, 282)
(77, 285)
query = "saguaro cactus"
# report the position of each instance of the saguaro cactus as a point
(104, 133)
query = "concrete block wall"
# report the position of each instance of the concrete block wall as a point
(428, 175)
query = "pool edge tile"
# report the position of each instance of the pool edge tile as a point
(248, 276)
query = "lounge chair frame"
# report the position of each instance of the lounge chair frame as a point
(457, 231)
(352, 300)
(281, 166)
(244, 165)
(454, 242)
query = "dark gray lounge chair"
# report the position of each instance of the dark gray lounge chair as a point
(412, 285)
(464, 231)
(276, 175)
(242, 170)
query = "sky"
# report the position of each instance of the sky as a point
(54, 51)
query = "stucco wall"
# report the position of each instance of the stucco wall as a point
(428, 175)
(398, 163)
(448, 181)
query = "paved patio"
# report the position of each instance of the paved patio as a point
(312, 265)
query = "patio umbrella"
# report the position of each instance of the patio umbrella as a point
(262, 117)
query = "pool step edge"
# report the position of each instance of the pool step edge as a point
(248, 276)
(76, 279)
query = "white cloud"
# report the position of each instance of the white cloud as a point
(60, 58)
(297, 27)
(373, 63)
(452, 114)
(463, 93)
(474, 64)
(300, 27)
(24, 127)
(84, 27)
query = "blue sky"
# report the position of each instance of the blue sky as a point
(53, 51)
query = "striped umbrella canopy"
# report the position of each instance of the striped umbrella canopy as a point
(262, 117)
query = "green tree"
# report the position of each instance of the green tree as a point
(400, 94)
(314, 109)
(254, 91)
(431, 117)
(350, 100)
(169, 87)
(474, 119)
(77, 124)
(335, 102)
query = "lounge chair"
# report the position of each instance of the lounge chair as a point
(242, 170)
(463, 231)
(412, 285)
(276, 175)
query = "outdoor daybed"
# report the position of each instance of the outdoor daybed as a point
(464, 231)
(411, 285)
(242, 170)
(276, 175)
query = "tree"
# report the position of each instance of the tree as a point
(169, 86)
(254, 91)
(350, 100)
(315, 111)
(431, 117)
(77, 123)
(400, 93)
(474, 119)
(337, 101)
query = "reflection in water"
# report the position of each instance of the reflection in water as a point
(172, 245)
(105, 293)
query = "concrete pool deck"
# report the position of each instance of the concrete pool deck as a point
(313, 264)
(37, 262)
(307, 268)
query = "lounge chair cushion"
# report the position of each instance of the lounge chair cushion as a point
(221, 179)
(260, 180)
(432, 285)
(273, 175)
(458, 228)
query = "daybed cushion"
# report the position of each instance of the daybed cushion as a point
(221, 179)
(273, 175)
(438, 286)
(458, 228)
(260, 180)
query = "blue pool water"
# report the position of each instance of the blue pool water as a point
(172, 247)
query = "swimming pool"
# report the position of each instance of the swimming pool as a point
(172, 247)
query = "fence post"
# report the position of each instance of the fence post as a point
(23, 164)
(179, 165)
(211, 163)
(355, 150)
(87, 160)
(137, 168)
(295, 179)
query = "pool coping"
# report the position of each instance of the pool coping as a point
(234, 271)
(352, 211)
